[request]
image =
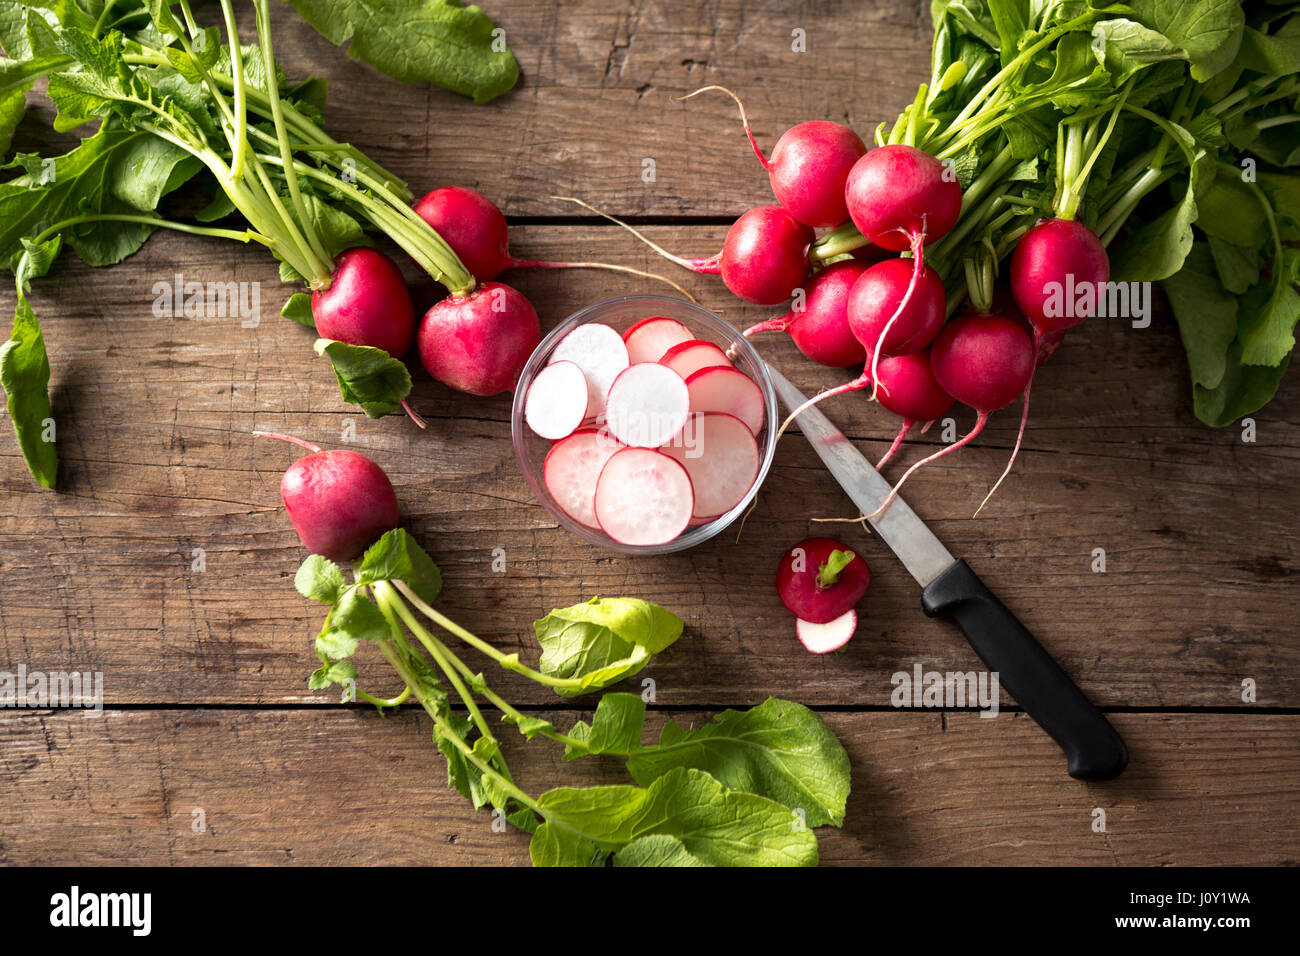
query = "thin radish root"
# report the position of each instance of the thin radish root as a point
(314, 449)
(771, 325)
(860, 520)
(918, 266)
(410, 412)
(898, 441)
(743, 118)
(608, 266)
(965, 439)
(1024, 417)
(709, 266)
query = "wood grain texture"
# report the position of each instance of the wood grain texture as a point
(154, 421)
(349, 787)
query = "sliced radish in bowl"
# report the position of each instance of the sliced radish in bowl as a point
(720, 454)
(824, 638)
(557, 400)
(643, 497)
(599, 351)
(649, 339)
(572, 468)
(647, 405)
(687, 358)
(730, 391)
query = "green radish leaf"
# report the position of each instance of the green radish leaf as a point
(530, 727)
(397, 557)
(367, 376)
(1242, 390)
(615, 728)
(1206, 315)
(603, 640)
(556, 846)
(1125, 47)
(319, 579)
(354, 618)
(334, 672)
(25, 368)
(420, 41)
(717, 826)
(1209, 32)
(298, 308)
(1237, 266)
(1266, 334)
(658, 849)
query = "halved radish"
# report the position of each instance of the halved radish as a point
(647, 405)
(824, 638)
(720, 454)
(687, 358)
(643, 497)
(649, 339)
(599, 351)
(557, 400)
(727, 390)
(572, 468)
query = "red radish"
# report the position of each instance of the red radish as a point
(820, 578)
(722, 459)
(599, 351)
(820, 329)
(572, 468)
(881, 312)
(984, 361)
(366, 303)
(643, 497)
(340, 502)
(1052, 258)
(824, 638)
(479, 343)
(477, 232)
(687, 358)
(557, 400)
(647, 406)
(809, 166)
(765, 255)
(909, 389)
(730, 391)
(650, 339)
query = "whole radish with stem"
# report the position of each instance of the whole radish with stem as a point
(479, 343)
(340, 502)
(819, 326)
(809, 167)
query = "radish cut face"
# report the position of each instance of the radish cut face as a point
(824, 638)
(599, 351)
(687, 358)
(721, 456)
(730, 391)
(643, 497)
(572, 468)
(647, 405)
(557, 400)
(649, 339)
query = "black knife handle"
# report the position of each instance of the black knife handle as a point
(1094, 749)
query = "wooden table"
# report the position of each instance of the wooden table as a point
(206, 703)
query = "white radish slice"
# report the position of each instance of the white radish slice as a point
(720, 454)
(647, 405)
(649, 339)
(727, 390)
(599, 351)
(643, 497)
(572, 468)
(831, 636)
(687, 358)
(557, 400)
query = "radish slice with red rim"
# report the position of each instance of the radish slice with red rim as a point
(824, 638)
(557, 400)
(730, 391)
(643, 497)
(572, 468)
(649, 339)
(720, 454)
(647, 405)
(599, 351)
(687, 358)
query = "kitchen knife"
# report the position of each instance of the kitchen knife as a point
(951, 589)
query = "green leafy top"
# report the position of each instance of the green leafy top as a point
(603, 640)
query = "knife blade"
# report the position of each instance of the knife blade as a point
(950, 589)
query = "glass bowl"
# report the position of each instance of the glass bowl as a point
(621, 313)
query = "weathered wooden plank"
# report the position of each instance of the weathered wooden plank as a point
(598, 98)
(154, 415)
(334, 787)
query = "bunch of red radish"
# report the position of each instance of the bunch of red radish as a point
(654, 430)
(892, 315)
